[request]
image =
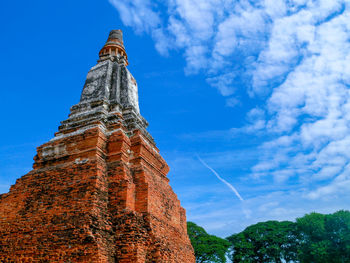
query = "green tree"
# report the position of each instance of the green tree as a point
(207, 248)
(313, 245)
(337, 226)
(270, 241)
(324, 238)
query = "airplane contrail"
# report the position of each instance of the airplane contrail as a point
(221, 179)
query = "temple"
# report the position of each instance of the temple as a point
(98, 191)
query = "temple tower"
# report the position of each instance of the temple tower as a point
(98, 191)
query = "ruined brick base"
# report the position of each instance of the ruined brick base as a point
(94, 197)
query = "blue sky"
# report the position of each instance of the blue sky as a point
(258, 89)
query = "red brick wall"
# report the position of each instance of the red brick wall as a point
(94, 198)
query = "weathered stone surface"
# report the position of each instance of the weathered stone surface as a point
(111, 81)
(98, 191)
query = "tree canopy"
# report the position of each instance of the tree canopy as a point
(324, 238)
(313, 238)
(270, 241)
(207, 248)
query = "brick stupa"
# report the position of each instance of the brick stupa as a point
(98, 191)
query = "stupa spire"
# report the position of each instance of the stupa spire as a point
(110, 93)
(114, 48)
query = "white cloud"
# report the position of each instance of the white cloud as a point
(223, 83)
(232, 102)
(137, 13)
(311, 103)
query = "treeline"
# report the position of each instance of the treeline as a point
(315, 238)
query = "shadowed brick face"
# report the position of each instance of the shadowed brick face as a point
(98, 191)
